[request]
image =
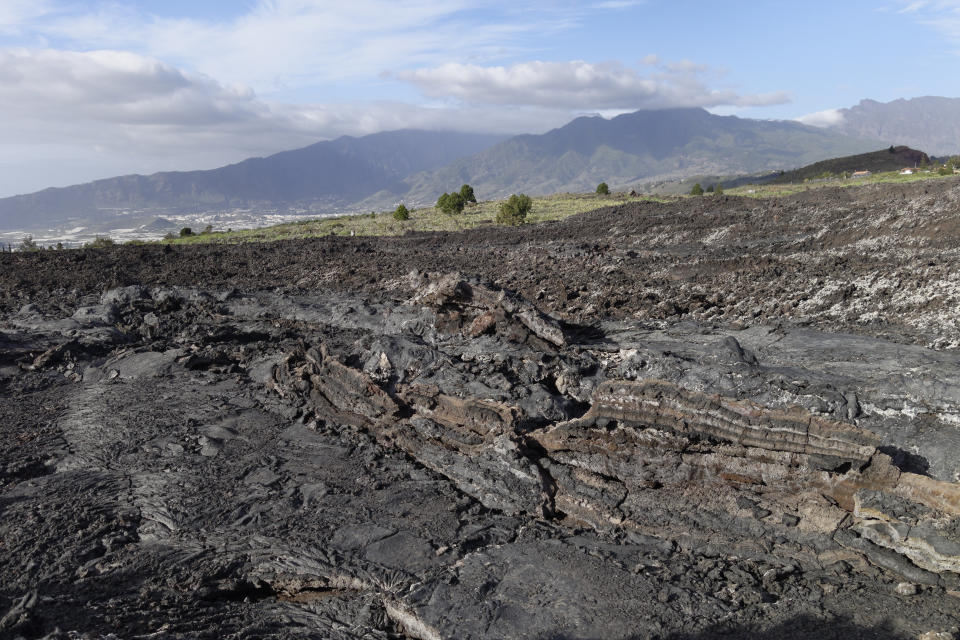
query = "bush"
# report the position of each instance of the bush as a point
(29, 244)
(719, 189)
(466, 192)
(514, 211)
(207, 230)
(603, 189)
(401, 213)
(100, 242)
(710, 189)
(186, 232)
(697, 190)
(451, 203)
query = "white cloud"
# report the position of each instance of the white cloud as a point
(279, 45)
(15, 14)
(940, 15)
(68, 117)
(823, 119)
(580, 85)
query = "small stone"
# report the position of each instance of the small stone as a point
(907, 589)
(760, 513)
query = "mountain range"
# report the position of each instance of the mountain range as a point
(380, 170)
(929, 123)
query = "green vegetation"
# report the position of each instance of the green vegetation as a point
(186, 232)
(543, 209)
(777, 190)
(401, 213)
(718, 190)
(451, 203)
(891, 159)
(603, 189)
(29, 244)
(100, 242)
(466, 192)
(514, 211)
(697, 190)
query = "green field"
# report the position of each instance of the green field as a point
(780, 190)
(427, 219)
(544, 209)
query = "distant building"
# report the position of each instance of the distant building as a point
(861, 174)
(906, 171)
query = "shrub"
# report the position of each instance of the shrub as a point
(186, 232)
(710, 189)
(603, 189)
(29, 244)
(514, 210)
(697, 190)
(451, 203)
(719, 189)
(100, 242)
(466, 192)
(207, 230)
(401, 213)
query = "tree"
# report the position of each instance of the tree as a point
(719, 189)
(514, 210)
(451, 203)
(466, 192)
(401, 213)
(603, 189)
(29, 244)
(710, 189)
(99, 242)
(697, 190)
(186, 232)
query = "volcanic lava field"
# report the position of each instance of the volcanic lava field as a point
(712, 417)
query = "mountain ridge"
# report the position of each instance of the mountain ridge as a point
(379, 170)
(930, 123)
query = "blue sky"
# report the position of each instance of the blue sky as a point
(95, 88)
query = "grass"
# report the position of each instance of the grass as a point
(544, 209)
(781, 190)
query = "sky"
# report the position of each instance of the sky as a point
(96, 88)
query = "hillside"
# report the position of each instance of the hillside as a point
(930, 123)
(374, 172)
(640, 146)
(890, 159)
(320, 177)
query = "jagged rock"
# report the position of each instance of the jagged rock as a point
(475, 309)
(335, 392)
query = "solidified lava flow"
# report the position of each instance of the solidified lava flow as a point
(715, 417)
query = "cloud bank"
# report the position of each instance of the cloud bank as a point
(580, 85)
(823, 119)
